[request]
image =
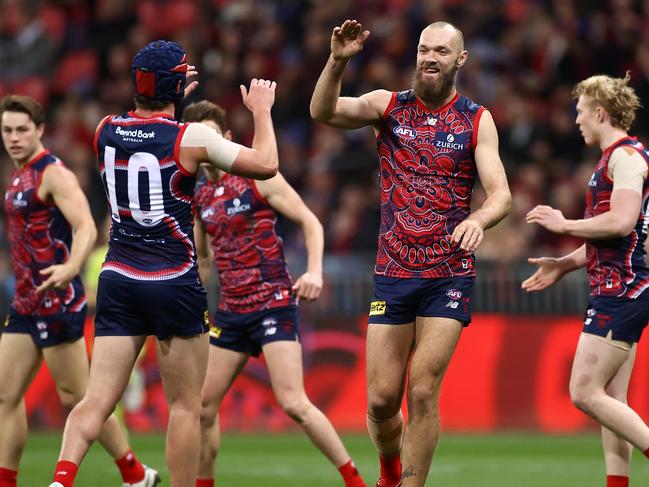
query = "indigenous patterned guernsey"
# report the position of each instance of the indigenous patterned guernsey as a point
(39, 236)
(150, 197)
(248, 252)
(617, 266)
(427, 172)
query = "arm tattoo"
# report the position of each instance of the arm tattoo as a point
(409, 472)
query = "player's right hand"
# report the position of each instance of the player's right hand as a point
(347, 40)
(260, 95)
(549, 272)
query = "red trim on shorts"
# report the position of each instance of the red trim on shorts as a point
(179, 139)
(476, 125)
(95, 139)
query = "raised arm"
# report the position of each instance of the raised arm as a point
(285, 200)
(201, 144)
(345, 112)
(62, 186)
(494, 181)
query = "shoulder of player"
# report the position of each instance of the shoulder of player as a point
(378, 99)
(57, 177)
(628, 158)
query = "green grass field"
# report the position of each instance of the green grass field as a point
(507, 460)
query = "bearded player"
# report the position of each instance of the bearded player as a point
(432, 144)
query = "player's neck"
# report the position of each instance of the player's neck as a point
(609, 137)
(169, 110)
(20, 163)
(441, 104)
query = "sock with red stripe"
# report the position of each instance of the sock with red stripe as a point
(204, 482)
(350, 475)
(8, 477)
(390, 467)
(65, 473)
(617, 481)
(130, 468)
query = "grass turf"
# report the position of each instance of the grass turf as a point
(503, 460)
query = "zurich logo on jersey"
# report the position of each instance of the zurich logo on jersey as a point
(445, 140)
(19, 201)
(237, 206)
(405, 131)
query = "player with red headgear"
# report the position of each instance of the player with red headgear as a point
(149, 283)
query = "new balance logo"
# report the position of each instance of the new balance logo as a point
(452, 304)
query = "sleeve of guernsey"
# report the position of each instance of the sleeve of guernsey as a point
(221, 153)
(628, 170)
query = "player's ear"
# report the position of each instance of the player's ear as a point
(228, 134)
(461, 59)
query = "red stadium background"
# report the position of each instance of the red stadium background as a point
(510, 371)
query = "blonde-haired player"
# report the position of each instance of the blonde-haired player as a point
(615, 230)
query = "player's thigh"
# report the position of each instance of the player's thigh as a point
(223, 366)
(618, 386)
(284, 362)
(388, 349)
(19, 362)
(435, 343)
(113, 358)
(183, 362)
(596, 362)
(69, 366)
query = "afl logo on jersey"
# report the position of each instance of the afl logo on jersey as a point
(405, 131)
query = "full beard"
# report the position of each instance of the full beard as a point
(434, 93)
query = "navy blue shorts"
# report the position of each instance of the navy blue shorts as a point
(624, 318)
(132, 308)
(47, 331)
(248, 332)
(397, 301)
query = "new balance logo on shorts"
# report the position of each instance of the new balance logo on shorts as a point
(377, 308)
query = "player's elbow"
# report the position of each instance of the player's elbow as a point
(622, 226)
(319, 114)
(267, 171)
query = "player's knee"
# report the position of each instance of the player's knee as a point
(69, 398)
(9, 398)
(422, 397)
(296, 408)
(209, 415)
(582, 397)
(383, 405)
(617, 393)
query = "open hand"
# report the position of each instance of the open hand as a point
(549, 272)
(348, 39)
(260, 95)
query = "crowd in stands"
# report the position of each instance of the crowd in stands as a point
(525, 56)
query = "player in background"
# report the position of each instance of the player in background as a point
(236, 219)
(149, 284)
(614, 228)
(51, 232)
(432, 143)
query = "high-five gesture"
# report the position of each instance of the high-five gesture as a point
(348, 39)
(260, 95)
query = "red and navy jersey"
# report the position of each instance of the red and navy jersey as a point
(617, 266)
(427, 172)
(39, 236)
(150, 197)
(248, 252)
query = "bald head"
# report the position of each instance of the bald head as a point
(444, 31)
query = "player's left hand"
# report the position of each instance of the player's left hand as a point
(190, 87)
(308, 286)
(60, 276)
(548, 218)
(469, 234)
